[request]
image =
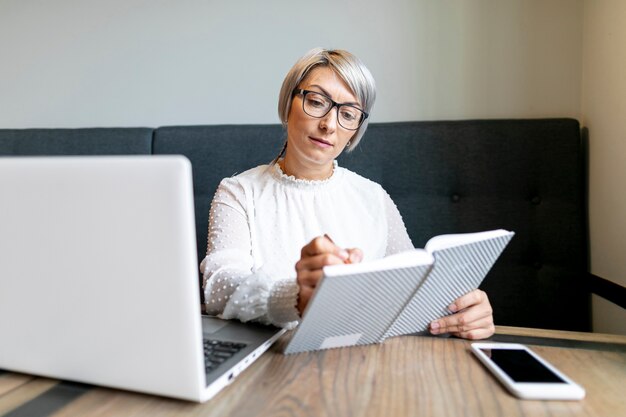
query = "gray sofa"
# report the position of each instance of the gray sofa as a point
(446, 177)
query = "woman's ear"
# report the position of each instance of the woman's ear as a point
(348, 147)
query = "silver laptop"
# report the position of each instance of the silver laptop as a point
(99, 278)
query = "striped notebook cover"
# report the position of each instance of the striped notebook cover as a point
(369, 302)
(456, 271)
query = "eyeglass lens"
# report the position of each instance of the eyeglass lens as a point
(318, 105)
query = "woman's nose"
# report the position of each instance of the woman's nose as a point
(329, 122)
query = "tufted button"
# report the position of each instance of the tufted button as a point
(536, 200)
(455, 198)
(537, 265)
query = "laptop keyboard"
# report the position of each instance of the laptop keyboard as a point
(216, 352)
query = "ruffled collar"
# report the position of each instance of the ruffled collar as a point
(303, 183)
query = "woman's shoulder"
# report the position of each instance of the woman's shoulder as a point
(250, 176)
(237, 186)
(356, 180)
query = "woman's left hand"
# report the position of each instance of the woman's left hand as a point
(473, 318)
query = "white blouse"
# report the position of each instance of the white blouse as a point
(259, 222)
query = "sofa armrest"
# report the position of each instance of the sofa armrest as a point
(608, 290)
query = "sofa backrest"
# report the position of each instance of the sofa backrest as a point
(217, 152)
(89, 141)
(445, 177)
(521, 175)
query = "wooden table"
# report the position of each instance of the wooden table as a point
(405, 376)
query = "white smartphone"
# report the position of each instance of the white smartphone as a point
(525, 374)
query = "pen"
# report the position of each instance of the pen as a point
(347, 261)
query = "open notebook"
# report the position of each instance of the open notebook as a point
(400, 294)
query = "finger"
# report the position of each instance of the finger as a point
(475, 334)
(465, 327)
(355, 255)
(318, 245)
(459, 322)
(321, 245)
(316, 262)
(466, 320)
(468, 300)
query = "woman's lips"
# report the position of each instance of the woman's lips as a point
(321, 142)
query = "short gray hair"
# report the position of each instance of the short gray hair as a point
(349, 68)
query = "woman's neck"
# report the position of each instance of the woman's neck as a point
(301, 172)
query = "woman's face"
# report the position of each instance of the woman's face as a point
(313, 143)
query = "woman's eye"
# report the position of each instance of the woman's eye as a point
(348, 115)
(316, 103)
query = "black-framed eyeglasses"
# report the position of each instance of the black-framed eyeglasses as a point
(319, 105)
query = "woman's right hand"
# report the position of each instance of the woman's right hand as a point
(318, 253)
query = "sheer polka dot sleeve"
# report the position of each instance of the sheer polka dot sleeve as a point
(232, 287)
(398, 239)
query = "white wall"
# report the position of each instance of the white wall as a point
(604, 112)
(77, 63)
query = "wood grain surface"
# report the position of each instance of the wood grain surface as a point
(404, 376)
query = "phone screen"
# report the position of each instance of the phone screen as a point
(521, 366)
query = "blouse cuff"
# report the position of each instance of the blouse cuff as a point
(282, 309)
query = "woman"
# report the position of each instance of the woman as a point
(304, 210)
